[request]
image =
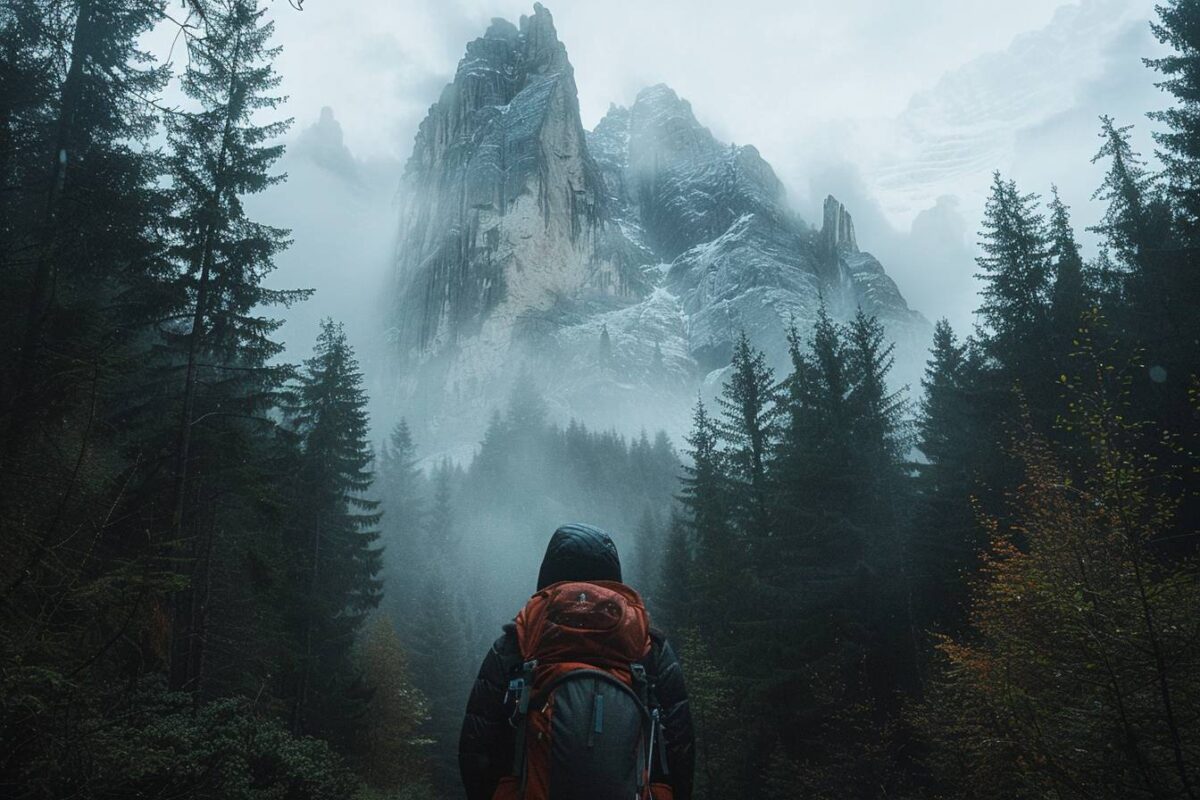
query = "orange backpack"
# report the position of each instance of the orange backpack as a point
(587, 723)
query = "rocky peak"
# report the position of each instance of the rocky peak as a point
(502, 207)
(664, 131)
(543, 52)
(526, 239)
(837, 228)
(322, 142)
(609, 140)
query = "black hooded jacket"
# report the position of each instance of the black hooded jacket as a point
(486, 746)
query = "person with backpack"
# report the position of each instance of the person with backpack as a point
(579, 698)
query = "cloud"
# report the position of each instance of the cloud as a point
(900, 110)
(916, 182)
(976, 118)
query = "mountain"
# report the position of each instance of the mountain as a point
(613, 267)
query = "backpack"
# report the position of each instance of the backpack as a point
(587, 723)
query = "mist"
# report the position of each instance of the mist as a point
(858, 341)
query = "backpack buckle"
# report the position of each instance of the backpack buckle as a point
(525, 686)
(515, 688)
(641, 686)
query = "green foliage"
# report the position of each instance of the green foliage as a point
(1016, 271)
(154, 743)
(1078, 667)
(191, 550)
(746, 426)
(673, 596)
(721, 744)
(648, 545)
(332, 535)
(388, 746)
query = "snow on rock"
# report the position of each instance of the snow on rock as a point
(617, 266)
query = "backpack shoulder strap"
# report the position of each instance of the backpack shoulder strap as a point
(647, 668)
(520, 690)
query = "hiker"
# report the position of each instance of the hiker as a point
(579, 699)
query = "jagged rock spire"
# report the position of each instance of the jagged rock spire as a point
(837, 229)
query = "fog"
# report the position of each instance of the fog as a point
(668, 268)
(902, 113)
(857, 99)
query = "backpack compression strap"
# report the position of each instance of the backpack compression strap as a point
(521, 689)
(646, 692)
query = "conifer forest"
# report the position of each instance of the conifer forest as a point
(897, 559)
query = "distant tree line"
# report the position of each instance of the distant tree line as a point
(454, 535)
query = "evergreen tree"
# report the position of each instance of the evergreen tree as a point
(223, 356)
(647, 552)
(746, 429)
(946, 539)
(441, 537)
(674, 586)
(1179, 144)
(402, 497)
(1069, 293)
(1016, 273)
(704, 497)
(719, 565)
(1172, 336)
(78, 233)
(334, 536)
(442, 671)
(1135, 218)
(606, 357)
(814, 456)
(879, 431)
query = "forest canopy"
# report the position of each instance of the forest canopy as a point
(217, 579)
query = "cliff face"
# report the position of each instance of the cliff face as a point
(525, 240)
(739, 258)
(502, 204)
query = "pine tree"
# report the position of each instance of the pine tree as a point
(1016, 273)
(880, 440)
(402, 496)
(647, 552)
(704, 496)
(80, 208)
(1069, 296)
(704, 489)
(879, 430)
(1179, 144)
(1170, 332)
(944, 385)
(334, 537)
(1134, 218)
(674, 585)
(946, 539)
(815, 452)
(606, 356)
(224, 356)
(746, 429)
(442, 671)
(440, 537)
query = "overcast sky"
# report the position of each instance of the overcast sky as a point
(901, 109)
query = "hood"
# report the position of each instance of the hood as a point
(579, 552)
